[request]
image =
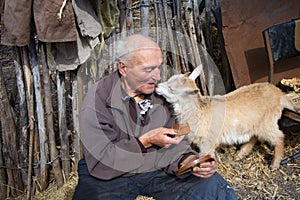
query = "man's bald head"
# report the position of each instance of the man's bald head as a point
(127, 47)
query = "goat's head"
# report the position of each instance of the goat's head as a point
(177, 87)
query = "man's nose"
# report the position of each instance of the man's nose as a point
(156, 74)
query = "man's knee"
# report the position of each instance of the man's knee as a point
(212, 188)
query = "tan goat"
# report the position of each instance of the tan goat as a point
(240, 117)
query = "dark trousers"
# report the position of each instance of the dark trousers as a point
(156, 184)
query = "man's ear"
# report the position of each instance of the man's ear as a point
(122, 68)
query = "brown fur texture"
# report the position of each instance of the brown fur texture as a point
(243, 116)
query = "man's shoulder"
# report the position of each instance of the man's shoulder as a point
(109, 78)
(101, 89)
(106, 82)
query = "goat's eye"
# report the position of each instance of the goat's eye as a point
(171, 89)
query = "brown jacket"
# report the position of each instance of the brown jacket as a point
(109, 133)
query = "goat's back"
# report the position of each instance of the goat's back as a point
(258, 105)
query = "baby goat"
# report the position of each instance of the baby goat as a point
(245, 115)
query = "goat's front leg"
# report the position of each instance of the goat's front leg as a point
(208, 147)
(246, 148)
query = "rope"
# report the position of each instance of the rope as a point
(59, 15)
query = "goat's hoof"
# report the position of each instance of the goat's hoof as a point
(239, 156)
(275, 166)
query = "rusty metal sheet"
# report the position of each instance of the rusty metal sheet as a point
(243, 23)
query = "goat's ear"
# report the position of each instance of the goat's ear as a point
(186, 74)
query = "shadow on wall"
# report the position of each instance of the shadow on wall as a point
(258, 66)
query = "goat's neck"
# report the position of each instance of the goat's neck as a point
(189, 106)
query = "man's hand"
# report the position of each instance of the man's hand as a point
(203, 170)
(162, 137)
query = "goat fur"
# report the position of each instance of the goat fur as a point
(243, 116)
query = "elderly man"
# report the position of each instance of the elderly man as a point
(127, 139)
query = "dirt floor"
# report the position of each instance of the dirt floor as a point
(251, 177)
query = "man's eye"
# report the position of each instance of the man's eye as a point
(148, 69)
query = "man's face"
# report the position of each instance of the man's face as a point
(142, 72)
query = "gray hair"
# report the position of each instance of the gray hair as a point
(124, 48)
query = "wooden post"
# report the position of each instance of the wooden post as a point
(30, 111)
(23, 115)
(180, 37)
(43, 140)
(122, 17)
(63, 131)
(76, 104)
(9, 148)
(3, 180)
(54, 153)
(145, 17)
(129, 20)
(173, 47)
(208, 26)
(156, 17)
(192, 33)
(163, 41)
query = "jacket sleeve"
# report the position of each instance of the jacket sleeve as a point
(176, 153)
(109, 152)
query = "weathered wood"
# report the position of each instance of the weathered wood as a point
(76, 104)
(23, 115)
(145, 17)
(180, 37)
(187, 40)
(156, 18)
(54, 153)
(196, 19)
(208, 26)
(30, 111)
(3, 180)
(172, 42)
(62, 124)
(201, 46)
(122, 17)
(129, 20)
(9, 146)
(42, 137)
(192, 33)
(163, 41)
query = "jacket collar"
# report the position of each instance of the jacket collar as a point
(118, 96)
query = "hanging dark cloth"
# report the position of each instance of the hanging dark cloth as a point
(54, 21)
(283, 40)
(15, 22)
